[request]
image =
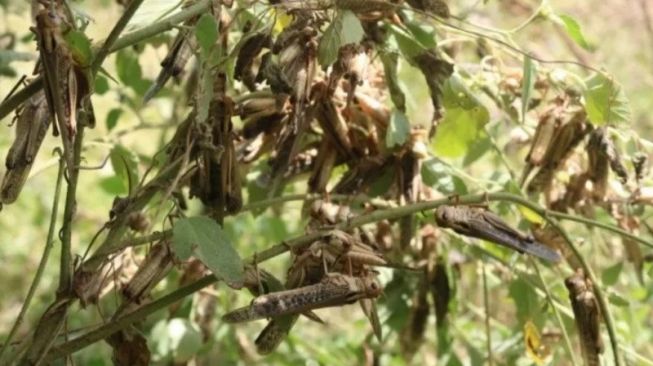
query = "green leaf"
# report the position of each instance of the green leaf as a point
(204, 238)
(618, 300)
(125, 164)
(610, 275)
(344, 29)
(525, 298)
(176, 338)
(440, 176)
(352, 30)
(206, 32)
(113, 185)
(528, 83)
(573, 29)
(459, 129)
(605, 101)
(423, 33)
(327, 50)
(80, 47)
(390, 62)
(112, 118)
(408, 45)
(398, 129)
(101, 85)
(130, 72)
(463, 121)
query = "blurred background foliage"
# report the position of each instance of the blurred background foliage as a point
(618, 37)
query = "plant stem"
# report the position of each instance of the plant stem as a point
(551, 301)
(115, 32)
(603, 304)
(297, 242)
(127, 40)
(49, 243)
(486, 304)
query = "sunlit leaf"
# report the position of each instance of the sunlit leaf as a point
(530, 215)
(398, 129)
(573, 29)
(203, 237)
(463, 122)
(605, 101)
(206, 32)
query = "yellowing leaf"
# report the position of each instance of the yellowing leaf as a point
(533, 343)
(530, 215)
(283, 19)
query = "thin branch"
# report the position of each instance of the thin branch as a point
(129, 39)
(486, 304)
(115, 32)
(295, 243)
(549, 298)
(603, 304)
(49, 243)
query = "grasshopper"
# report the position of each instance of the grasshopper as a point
(31, 126)
(483, 224)
(66, 84)
(335, 289)
(587, 315)
(340, 252)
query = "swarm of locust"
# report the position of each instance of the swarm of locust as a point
(335, 270)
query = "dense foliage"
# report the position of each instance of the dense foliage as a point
(220, 162)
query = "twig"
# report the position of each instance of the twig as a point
(549, 298)
(115, 32)
(486, 304)
(49, 243)
(127, 40)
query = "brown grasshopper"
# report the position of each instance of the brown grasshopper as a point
(31, 126)
(66, 84)
(587, 315)
(335, 289)
(336, 251)
(483, 224)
